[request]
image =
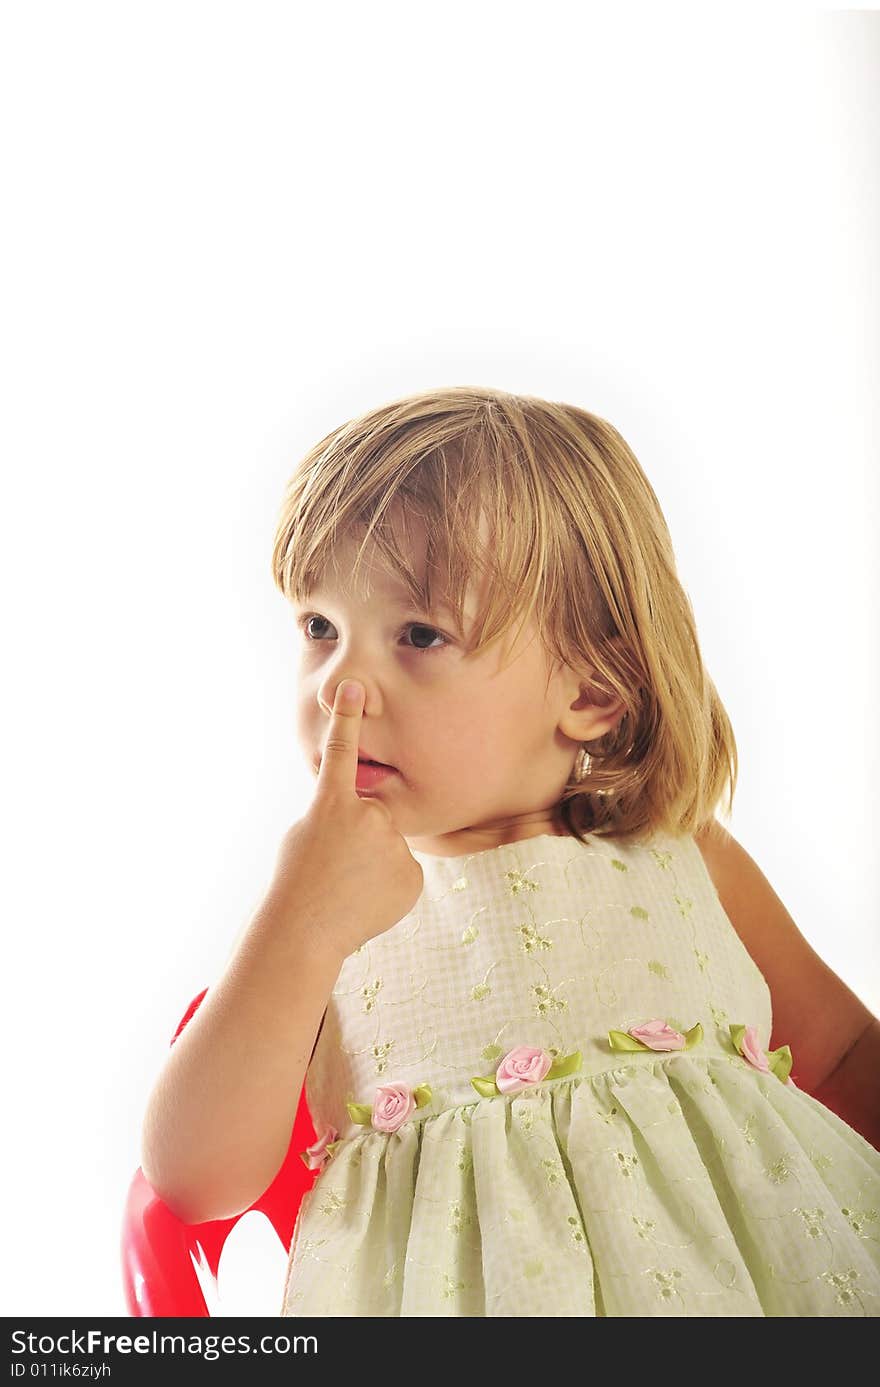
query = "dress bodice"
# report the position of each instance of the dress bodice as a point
(549, 942)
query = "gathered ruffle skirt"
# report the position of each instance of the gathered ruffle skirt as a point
(688, 1185)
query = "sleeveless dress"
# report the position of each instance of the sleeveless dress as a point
(695, 1181)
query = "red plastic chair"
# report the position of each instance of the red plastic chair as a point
(157, 1269)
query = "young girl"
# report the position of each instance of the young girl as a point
(573, 1056)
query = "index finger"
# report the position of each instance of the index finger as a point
(339, 758)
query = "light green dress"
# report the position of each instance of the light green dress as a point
(684, 1182)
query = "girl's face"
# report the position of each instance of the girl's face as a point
(480, 756)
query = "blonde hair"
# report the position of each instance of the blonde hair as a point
(576, 539)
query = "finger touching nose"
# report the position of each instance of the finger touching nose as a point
(330, 689)
(340, 756)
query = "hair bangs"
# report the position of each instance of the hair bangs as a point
(445, 504)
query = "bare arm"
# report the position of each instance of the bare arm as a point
(852, 1091)
(218, 1122)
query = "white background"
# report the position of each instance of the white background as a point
(229, 228)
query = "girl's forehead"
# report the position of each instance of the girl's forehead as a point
(375, 572)
(378, 578)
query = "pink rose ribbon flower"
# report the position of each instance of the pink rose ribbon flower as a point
(655, 1035)
(524, 1066)
(778, 1061)
(316, 1156)
(393, 1104)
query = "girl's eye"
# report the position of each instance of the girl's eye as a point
(304, 622)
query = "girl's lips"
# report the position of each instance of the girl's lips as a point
(380, 765)
(370, 773)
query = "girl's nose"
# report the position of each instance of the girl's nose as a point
(327, 690)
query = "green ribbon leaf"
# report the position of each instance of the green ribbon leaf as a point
(561, 1067)
(736, 1035)
(780, 1061)
(361, 1113)
(619, 1040)
(422, 1095)
(693, 1036)
(487, 1088)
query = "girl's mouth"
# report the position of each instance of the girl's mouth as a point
(372, 773)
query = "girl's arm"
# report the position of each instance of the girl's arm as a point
(851, 1088)
(219, 1118)
(834, 1038)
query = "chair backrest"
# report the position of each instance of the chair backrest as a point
(158, 1274)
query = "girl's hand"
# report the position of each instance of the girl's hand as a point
(343, 867)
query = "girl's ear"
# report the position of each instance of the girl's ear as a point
(592, 708)
(598, 712)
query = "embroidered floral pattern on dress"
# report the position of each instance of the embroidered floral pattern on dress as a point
(393, 1104)
(524, 1066)
(778, 1061)
(655, 1035)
